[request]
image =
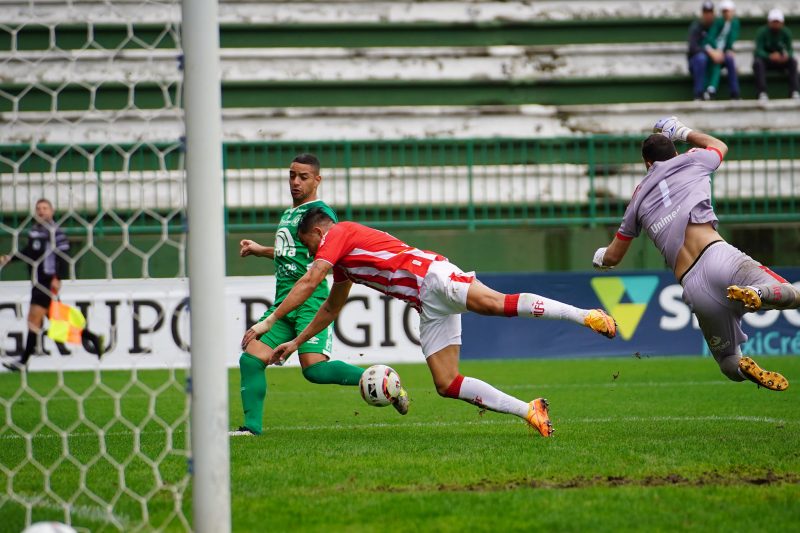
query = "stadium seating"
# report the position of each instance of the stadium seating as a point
(348, 70)
(350, 79)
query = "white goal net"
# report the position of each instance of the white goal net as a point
(98, 443)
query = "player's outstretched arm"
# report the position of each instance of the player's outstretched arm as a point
(248, 247)
(703, 140)
(610, 256)
(675, 130)
(303, 288)
(327, 313)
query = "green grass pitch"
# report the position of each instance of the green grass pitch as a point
(650, 444)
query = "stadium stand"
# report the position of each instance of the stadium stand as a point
(349, 70)
(474, 90)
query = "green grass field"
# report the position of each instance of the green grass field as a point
(651, 444)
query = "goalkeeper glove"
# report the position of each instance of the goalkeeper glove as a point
(672, 128)
(597, 260)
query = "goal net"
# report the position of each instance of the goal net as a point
(90, 99)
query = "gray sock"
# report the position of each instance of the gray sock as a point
(778, 296)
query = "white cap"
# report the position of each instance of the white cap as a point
(727, 5)
(775, 14)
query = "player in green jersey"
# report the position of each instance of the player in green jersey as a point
(291, 262)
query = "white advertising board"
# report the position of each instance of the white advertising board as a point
(145, 323)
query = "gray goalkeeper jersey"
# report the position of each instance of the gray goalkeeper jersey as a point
(672, 194)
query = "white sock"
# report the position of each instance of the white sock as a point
(482, 394)
(535, 306)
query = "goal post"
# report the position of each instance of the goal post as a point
(112, 110)
(206, 261)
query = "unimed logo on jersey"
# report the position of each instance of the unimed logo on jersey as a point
(626, 299)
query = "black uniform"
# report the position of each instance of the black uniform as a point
(46, 256)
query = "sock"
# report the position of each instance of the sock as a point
(30, 346)
(254, 390)
(483, 395)
(534, 306)
(333, 372)
(778, 296)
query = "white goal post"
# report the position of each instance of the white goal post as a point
(202, 104)
(102, 439)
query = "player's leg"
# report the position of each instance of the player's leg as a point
(93, 343)
(487, 301)
(253, 386)
(36, 315)
(721, 320)
(759, 288)
(40, 302)
(252, 366)
(315, 352)
(441, 340)
(319, 369)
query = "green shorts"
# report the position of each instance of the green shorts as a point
(292, 324)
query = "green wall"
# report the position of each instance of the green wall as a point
(483, 250)
(551, 249)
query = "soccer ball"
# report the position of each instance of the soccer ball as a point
(49, 527)
(380, 385)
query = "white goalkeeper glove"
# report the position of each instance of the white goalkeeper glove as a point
(672, 128)
(597, 260)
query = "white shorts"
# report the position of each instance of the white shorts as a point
(444, 297)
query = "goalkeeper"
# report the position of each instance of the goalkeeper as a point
(291, 262)
(673, 205)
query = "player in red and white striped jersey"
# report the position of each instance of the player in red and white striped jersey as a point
(436, 288)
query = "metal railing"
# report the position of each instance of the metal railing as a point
(427, 183)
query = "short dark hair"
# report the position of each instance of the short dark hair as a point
(313, 217)
(307, 159)
(45, 201)
(657, 147)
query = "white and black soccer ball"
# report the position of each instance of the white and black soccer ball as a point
(49, 527)
(380, 385)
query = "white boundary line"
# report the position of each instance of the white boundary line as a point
(400, 425)
(345, 390)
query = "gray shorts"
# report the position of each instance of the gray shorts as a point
(704, 291)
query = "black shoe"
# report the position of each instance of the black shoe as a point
(14, 366)
(101, 341)
(243, 431)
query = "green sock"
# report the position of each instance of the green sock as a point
(337, 372)
(254, 390)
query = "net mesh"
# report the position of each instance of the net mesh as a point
(98, 443)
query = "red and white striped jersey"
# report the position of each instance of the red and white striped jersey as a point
(376, 259)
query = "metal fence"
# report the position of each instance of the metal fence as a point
(465, 183)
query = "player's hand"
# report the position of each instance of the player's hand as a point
(672, 128)
(4, 259)
(248, 247)
(257, 329)
(597, 260)
(282, 352)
